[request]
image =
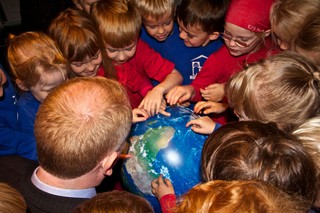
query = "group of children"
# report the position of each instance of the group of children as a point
(258, 58)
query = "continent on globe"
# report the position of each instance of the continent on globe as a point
(163, 145)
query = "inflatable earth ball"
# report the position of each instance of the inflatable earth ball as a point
(163, 145)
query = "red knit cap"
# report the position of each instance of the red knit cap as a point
(250, 14)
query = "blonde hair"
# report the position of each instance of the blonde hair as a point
(308, 133)
(283, 88)
(309, 37)
(11, 201)
(78, 38)
(287, 17)
(155, 9)
(243, 196)
(79, 123)
(32, 53)
(119, 22)
(115, 202)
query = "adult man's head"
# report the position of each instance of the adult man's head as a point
(81, 126)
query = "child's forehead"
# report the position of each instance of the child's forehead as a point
(190, 28)
(237, 31)
(108, 46)
(87, 58)
(153, 19)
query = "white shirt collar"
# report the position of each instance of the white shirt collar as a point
(72, 193)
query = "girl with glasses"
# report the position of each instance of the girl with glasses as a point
(246, 37)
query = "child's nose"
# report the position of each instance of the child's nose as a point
(91, 66)
(183, 35)
(121, 56)
(232, 43)
(160, 30)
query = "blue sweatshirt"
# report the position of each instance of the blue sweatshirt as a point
(12, 140)
(188, 60)
(28, 107)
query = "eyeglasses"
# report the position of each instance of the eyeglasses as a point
(238, 43)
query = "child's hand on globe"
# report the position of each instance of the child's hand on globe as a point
(207, 107)
(202, 125)
(214, 92)
(139, 115)
(161, 187)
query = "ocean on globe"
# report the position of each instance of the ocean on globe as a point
(163, 145)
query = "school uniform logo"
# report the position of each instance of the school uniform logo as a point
(196, 65)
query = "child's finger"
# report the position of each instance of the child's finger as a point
(157, 107)
(160, 180)
(168, 183)
(199, 107)
(140, 119)
(173, 99)
(191, 123)
(143, 113)
(163, 112)
(185, 97)
(153, 191)
(154, 183)
(197, 129)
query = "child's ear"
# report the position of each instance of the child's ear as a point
(214, 36)
(21, 85)
(108, 162)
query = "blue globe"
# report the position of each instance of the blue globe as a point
(163, 145)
